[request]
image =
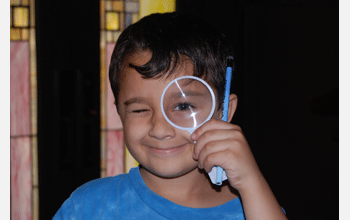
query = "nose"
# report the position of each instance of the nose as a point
(160, 127)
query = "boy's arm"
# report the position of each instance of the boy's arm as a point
(223, 144)
(259, 202)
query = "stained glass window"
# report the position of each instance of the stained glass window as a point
(23, 111)
(21, 19)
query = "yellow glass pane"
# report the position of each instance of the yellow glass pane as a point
(121, 22)
(109, 36)
(35, 202)
(32, 13)
(130, 162)
(134, 18)
(116, 35)
(156, 6)
(102, 14)
(21, 16)
(103, 74)
(15, 2)
(112, 19)
(118, 5)
(33, 72)
(25, 34)
(15, 34)
(35, 173)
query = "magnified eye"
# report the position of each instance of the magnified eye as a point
(183, 107)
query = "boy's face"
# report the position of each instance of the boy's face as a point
(158, 146)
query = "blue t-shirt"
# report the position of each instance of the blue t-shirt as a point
(126, 196)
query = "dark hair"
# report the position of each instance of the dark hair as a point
(170, 37)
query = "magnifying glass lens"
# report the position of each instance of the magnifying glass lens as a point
(187, 102)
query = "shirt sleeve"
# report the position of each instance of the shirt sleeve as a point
(67, 211)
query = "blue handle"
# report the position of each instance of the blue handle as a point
(219, 171)
(227, 94)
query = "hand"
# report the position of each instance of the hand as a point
(223, 144)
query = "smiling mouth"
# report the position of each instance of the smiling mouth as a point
(167, 150)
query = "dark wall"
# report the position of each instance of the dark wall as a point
(68, 99)
(286, 79)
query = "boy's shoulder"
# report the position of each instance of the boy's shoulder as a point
(99, 186)
(96, 198)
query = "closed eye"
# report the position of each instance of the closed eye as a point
(139, 110)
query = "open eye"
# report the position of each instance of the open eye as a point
(183, 107)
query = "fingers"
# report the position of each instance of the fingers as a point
(212, 131)
(217, 143)
(209, 141)
(214, 153)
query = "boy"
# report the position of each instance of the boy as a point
(171, 181)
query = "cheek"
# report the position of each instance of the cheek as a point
(135, 128)
(183, 135)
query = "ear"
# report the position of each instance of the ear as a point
(232, 106)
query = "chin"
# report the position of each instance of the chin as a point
(171, 172)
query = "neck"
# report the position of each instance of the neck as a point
(193, 189)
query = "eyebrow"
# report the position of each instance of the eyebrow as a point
(186, 93)
(135, 100)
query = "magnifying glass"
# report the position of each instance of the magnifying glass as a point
(187, 103)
